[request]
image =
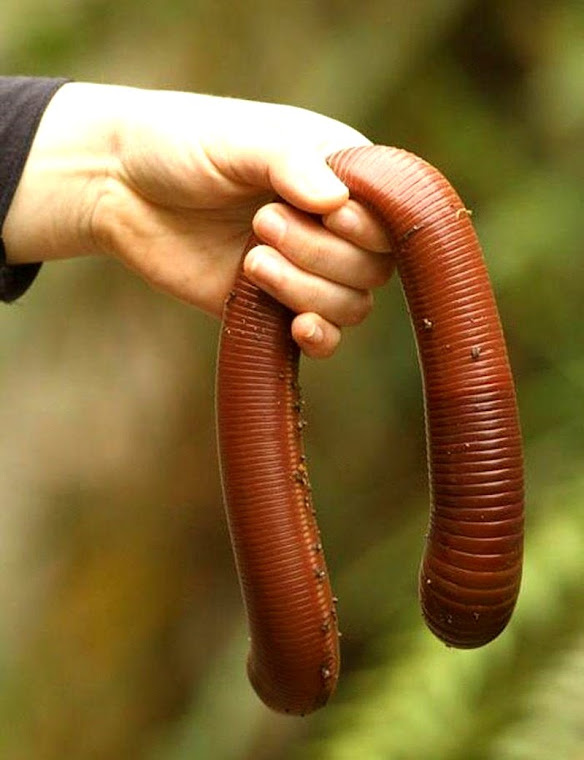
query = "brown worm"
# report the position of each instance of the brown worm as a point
(471, 568)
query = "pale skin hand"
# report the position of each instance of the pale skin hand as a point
(172, 183)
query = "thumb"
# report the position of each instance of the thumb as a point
(305, 180)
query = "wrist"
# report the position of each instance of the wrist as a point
(71, 158)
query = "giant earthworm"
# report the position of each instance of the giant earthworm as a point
(471, 568)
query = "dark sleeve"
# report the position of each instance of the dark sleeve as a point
(22, 103)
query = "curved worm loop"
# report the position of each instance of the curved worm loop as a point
(471, 568)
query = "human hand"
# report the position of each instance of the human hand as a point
(172, 183)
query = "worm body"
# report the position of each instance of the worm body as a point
(471, 567)
(294, 657)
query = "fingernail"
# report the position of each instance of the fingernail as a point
(346, 219)
(270, 225)
(315, 334)
(326, 185)
(317, 182)
(264, 267)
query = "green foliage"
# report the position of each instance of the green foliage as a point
(122, 631)
(434, 702)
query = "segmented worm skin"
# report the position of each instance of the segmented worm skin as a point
(294, 659)
(471, 568)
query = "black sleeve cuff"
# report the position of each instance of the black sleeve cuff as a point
(23, 101)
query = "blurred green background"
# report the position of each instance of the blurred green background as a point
(121, 626)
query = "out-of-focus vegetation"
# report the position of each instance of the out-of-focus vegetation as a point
(121, 627)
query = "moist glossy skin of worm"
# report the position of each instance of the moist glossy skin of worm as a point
(294, 659)
(471, 568)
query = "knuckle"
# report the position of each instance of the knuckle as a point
(360, 308)
(309, 254)
(381, 275)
